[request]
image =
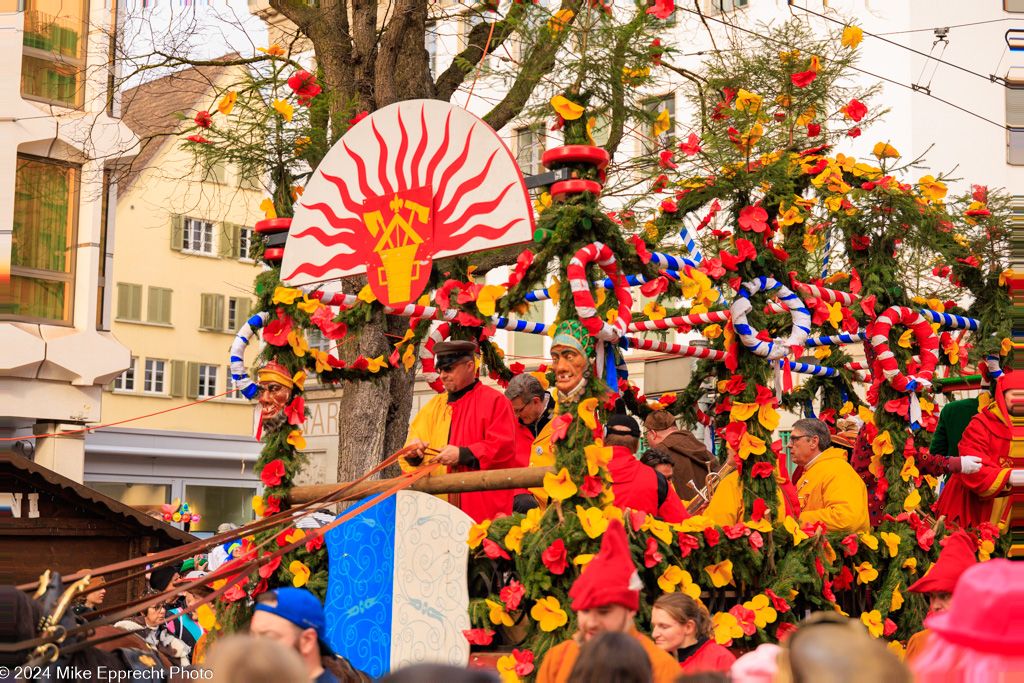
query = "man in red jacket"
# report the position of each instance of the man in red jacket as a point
(970, 499)
(634, 484)
(472, 427)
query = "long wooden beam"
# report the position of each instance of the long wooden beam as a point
(463, 482)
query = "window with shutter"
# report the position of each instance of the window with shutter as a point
(177, 378)
(238, 313)
(218, 312)
(228, 240)
(206, 386)
(177, 232)
(159, 306)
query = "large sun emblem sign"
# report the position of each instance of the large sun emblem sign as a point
(412, 183)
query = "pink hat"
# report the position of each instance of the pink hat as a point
(757, 666)
(987, 610)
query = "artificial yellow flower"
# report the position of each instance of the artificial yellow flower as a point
(909, 469)
(654, 311)
(762, 525)
(409, 357)
(750, 444)
(882, 444)
(583, 560)
(866, 572)
(764, 613)
(532, 520)
(300, 573)
(267, 207)
(811, 241)
(866, 414)
(852, 35)
(568, 110)
(507, 669)
(662, 123)
(846, 409)
(720, 573)
(548, 614)
(897, 598)
(366, 294)
(273, 50)
(488, 297)
(587, 410)
(610, 511)
(308, 305)
(897, 648)
(670, 578)
(793, 527)
(322, 359)
(904, 339)
(661, 530)
(296, 439)
(559, 486)
(592, 520)
(892, 542)
(286, 295)
(227, 103)
(591, 122)
(870, 540)
(726, 627)
(742, 411)
(375, 365)
(257, 505)
(514, 539)
(822, 352)
(883, 150)
(543, 202)
(498, 615)
(477, 533)
(285, 109)
(913, 501)
(598, 456)
(688, 587)
(560, 20)
(911, 564)
(873, 620)
(985, 550)
(768, 417)
(712, 331)
(748, 101)
(298, 343)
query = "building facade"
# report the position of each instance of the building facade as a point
(61, 140)
(182, 285)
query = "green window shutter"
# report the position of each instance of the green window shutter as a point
(124, 301)
(226, 246)
(153, 307)
(177, 378)
(193, 381)
(165, 306)
(235, 233)
(206, 311)
(177, 232)
(218, 312)
(135, 308)
(242, 308)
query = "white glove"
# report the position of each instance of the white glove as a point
(1016, 478)
(969, 464)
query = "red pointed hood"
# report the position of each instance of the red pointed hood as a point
(957, 556)
(611, 577)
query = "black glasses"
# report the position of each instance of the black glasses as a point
(799, 436)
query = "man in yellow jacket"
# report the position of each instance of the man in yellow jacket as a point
(830, 490)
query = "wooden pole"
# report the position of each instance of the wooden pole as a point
(462, 482)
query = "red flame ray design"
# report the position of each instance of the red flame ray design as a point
(449, 239)
(364, 186)
(402, 149)
(420, 148)
(382, 162)
(339, 261)
(468, 185)
(343, 225)
(452, 242)
(318, 234)
(439, 154)
(453, 168)
(346, 198)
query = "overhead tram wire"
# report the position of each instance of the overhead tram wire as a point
(990, 79)
(932, 30)
(853, 68)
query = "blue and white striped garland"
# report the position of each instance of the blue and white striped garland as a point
(801, 319)
(948, 320)
(239, 376)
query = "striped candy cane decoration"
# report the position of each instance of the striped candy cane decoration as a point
(808, 369)
(239, 377)
(632, 281)
(926, 341)
(674, 349)
(948, 320)
(672, 323)
(994, 369)
(826, 294)
(837, 339)
(519, 325)
(671, 262)
(828, 248)
(586, 307)
(691, 244)
(741, 306)
(437, 335)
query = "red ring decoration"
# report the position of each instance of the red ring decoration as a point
(274, 254)
(566, 187)
(273, 225)
(926, 340)
(586, 307)
(575, 154)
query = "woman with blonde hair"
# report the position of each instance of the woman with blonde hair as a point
(682, 627)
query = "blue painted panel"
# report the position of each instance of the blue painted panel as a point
(360, 588)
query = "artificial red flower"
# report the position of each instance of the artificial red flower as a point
(692, 145)
(735, 531)
(687, 544)
(523, 263)
(712, 267)
(655, 52)
(479, 636)
(662, 9)
(778, 603)
(467, 320)
(867, 304)
(756, 540)
(890, 627)
(555, 558)
(753, 218)
(855, 110)
(778, 252)
(665, 159)
(524, 662)
(592, 486)
(735, 385)
(360, 363)
(651, 555)
(853, 132)
(760, 507)
(803, 78)
(844, 580)
(653, 288)
(712, 536)
(494, 551)
(851, 545)
(746, 618)
(818, 568)
(512, 594)
(314, 543)
(271, 506)
(304, 85)
(813, 130)
(203, 119)
(641, 248)
(925, 537)
(733, 432)
(860, 242)
(359, 117)
(826, 591)
(267, 570)
(276, 332)
(272, 472)
(783, 631)
(199, 139)
(660, 183)
(324, 319)
(296, 411)
(762, 470)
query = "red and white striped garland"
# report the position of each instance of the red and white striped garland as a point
(586, 307)
(829, 295)
(926, 341)
(439, 334)
(675, 349)
(679, 321)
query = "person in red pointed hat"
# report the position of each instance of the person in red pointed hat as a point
(970, 499)
(980, 638)
(605, 598)
(937, 585)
